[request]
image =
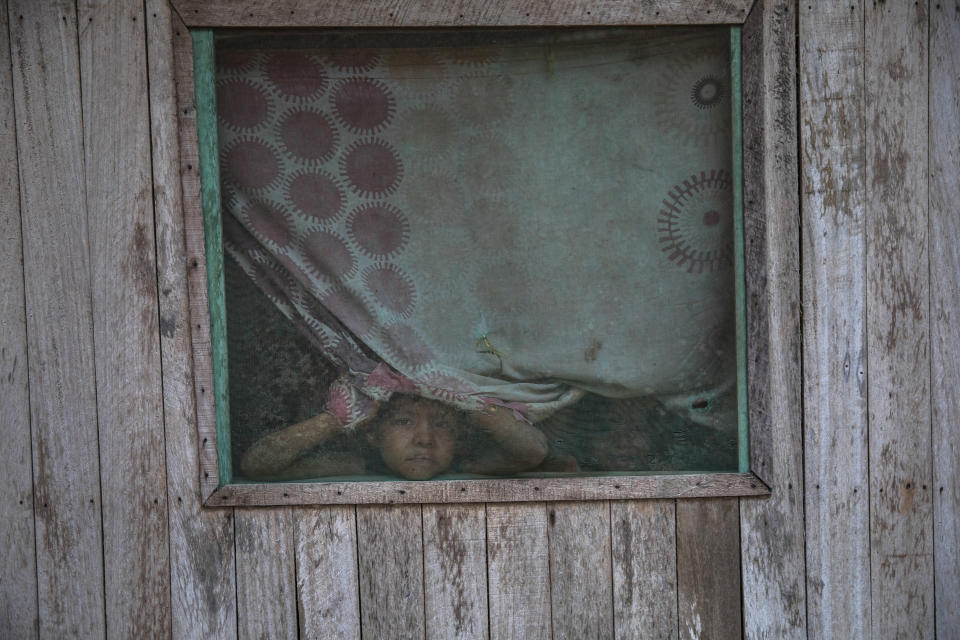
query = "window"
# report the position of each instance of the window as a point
(507, 260)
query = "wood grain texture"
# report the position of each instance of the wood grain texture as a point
(833, 194)
(644, 569)
(328, 597)
(193, 257)
(18, 562)
(771, 529)
(56, 264)
(518, 571)
(266, 574)
(390, 552)
(944, 250)
(581, 582)
(455, 571)
(898, 338)
(116, 134)
(491, 490)
(432, 13)
(755, 246)
(708, 569)
(203, 588)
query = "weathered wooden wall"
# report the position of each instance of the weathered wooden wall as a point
(101, 524)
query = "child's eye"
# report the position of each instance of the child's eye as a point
(403, 421)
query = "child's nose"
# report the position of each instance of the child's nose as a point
(423, 433)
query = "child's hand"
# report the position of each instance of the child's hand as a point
(494, 418)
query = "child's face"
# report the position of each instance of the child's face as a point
(416, 438)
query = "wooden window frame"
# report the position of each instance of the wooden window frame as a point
(761, 173)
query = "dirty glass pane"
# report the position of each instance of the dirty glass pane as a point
(484, 252)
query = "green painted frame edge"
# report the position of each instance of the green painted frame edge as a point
(740, 268)
(206, 101)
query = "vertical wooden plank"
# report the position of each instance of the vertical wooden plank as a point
(518, 571)
(390, 552)
(771, 529)
(644, 569)
(898, 339)
(755, 244)
(455, 571)
(328, 595)
(944, 309)
(56, 264)
(18, 563)
(193, 255)
(581, 582)
(203, 590)
(834, 296)
(708, 569)
(266, 586)
(116, 123)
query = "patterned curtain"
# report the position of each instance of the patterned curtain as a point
(514, 218)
